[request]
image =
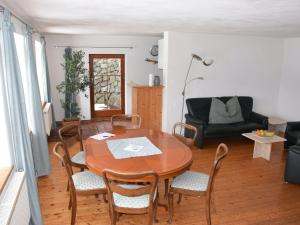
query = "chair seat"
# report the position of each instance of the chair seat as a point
(190, 180)
(87, 180)
(137, 202)
(79, 158)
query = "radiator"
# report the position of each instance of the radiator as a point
(14, 204)
(47, 111)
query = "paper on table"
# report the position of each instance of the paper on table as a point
(134, 148)
(102, 136)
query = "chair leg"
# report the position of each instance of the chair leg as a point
(74, 210)
(155, 208)
(166, 188)
(150, 216)
(104, 198)
(213, 205)
(179, 198)
(68, 186)
(70, 203)
(113, 218)
(208, 211)
(171, 206)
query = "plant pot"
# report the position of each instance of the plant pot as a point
(69, 121)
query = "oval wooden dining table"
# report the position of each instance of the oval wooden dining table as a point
(174, 159)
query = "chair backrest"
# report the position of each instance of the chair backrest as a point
(118, 183)
(220, 155)
(60, 150)
(121, 121)
(70, 134)
(188, 130)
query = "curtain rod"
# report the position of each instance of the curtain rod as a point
(18, 18)
(123, 47)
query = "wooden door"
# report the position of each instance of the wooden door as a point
(107, 88)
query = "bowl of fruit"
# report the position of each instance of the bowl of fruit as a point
(264, 133)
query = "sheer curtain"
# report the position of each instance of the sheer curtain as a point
(45, 72)
(16, 117)
(35, 114)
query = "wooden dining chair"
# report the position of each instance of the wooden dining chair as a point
(189, 141)
(122, 121)
(197, 184)
(185, 140)
(69, 135)
(81, 183)
(125, 196)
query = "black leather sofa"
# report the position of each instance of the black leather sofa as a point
(292, 134)
(198, 116)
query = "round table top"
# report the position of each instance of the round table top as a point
(175, 158)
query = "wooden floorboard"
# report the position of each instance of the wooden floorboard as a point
(247, 192)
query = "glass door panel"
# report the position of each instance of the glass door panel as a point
(107, 88)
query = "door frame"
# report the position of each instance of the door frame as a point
(108, 112)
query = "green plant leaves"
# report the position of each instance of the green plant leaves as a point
(76, 81)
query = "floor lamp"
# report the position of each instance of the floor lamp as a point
(187, 82)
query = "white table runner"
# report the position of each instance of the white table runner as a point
(132, 147)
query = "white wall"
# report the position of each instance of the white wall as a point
(249, 66)
(288, 102)
(136, 69)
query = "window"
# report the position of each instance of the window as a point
(39, 68)
(5, 159)
(20, 45)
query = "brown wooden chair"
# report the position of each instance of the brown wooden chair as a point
(122, 121)
(182, 127)
(81, 183)
(125, 196)
(69, 135)
(185, 140)
(197, 184)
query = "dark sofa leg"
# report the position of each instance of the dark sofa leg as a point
(200, 143)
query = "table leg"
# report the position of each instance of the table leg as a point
(166, 195)
(262, 150)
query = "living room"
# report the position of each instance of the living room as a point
(175, 60)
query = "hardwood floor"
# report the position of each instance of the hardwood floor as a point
(247, 192)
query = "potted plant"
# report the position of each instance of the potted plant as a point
(76, 81)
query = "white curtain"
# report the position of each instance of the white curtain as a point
(17, 123)
(35, 113)
(46, 78)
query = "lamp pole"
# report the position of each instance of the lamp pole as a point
(183, 93)
(186, 82)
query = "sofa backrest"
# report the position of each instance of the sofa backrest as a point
(200, 107)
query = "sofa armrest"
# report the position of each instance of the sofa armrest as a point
(200, 125)
(293, 126)
(194, 121)
(294, 148)
(258, 118)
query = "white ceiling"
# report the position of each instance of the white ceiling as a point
(250, 17)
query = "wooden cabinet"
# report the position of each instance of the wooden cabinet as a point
(147, 102)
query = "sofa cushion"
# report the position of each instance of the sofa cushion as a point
(222, 113)
(246, 104)
(199, 107)
(233, 128)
